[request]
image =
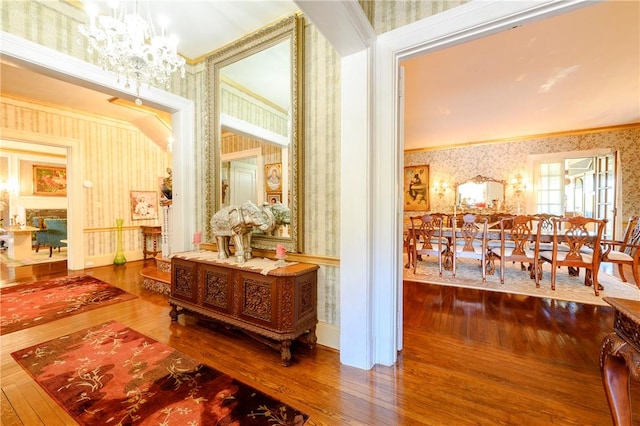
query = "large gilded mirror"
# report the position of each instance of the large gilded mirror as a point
(254, 111)
(481, 192)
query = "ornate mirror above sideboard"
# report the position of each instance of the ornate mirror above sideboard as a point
(481, 192)
(254, 131)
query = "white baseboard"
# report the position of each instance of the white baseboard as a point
(107, 259)
(328, 335)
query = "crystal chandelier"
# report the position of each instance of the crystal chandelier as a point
(129, 47)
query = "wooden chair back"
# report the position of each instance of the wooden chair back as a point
(427, 237)
(470, 241)
(583, 247)
(519, 242)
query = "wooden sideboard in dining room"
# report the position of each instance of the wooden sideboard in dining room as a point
(620, 358)
(275, 307)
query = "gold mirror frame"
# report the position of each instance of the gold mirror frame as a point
(479, 179)
(290, 27)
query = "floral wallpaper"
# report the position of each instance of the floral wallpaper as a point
(503, 161)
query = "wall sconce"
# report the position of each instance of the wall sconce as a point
(519, 185)
(7, 188)
(441, 189)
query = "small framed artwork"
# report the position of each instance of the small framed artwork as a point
(50, 180)
(273, 177)
(144, 205)
(416, 188)
(273, 198)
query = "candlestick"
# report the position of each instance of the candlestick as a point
(280, 255)
(197, 237)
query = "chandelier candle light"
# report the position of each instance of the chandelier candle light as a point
(129, 47)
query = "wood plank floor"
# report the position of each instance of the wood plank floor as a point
(470, 358)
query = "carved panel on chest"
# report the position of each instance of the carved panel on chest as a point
(183, 283)
(258, 299)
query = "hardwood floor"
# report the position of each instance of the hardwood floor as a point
(470, 357)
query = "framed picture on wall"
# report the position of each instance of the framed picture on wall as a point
(49, 180)
(416, 188)
(144, 205)
(273, 177)
(273, 198)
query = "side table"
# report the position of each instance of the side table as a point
(620, 358)
(150, 234)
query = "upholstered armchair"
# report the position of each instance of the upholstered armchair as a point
(41, 233)
(56, 232)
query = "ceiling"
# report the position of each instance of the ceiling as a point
(578, 70)
(573, 71)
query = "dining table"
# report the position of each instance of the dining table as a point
(493, 234)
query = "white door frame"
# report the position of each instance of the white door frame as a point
(460, 24)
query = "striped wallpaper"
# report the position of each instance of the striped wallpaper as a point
(112, 153)
(54, 24)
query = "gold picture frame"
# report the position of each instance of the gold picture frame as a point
(144, 205)
(416, 188)
(49, 180)
(274, 198)
(273, 177)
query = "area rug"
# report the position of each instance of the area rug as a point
(113, 375)
(35, 258)
(568, 288)
(27, 305)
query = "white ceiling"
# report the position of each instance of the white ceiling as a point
(573, 71)
(578, 70)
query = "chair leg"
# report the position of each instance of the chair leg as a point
(50, 251)
(621, 271)
(591, 278)
(37, 246)
(635, 268)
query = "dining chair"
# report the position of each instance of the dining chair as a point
(577, 233)
(470, 241)
(41, 233)
(518, 242)
(625, 252)
(427, 238)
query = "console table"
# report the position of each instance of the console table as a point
(150, 233)
(620, 358)
(274, 305)
(20, 241)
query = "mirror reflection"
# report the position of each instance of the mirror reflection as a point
(481, 192)
(255, 128)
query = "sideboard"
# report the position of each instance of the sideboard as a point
(274, 305)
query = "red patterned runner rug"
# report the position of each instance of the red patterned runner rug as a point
(27, 305)
(113, 375)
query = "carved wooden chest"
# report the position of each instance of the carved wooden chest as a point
(275, 307)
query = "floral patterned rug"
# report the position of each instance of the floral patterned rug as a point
(113, 375)
(568, 288)
(27, 305)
